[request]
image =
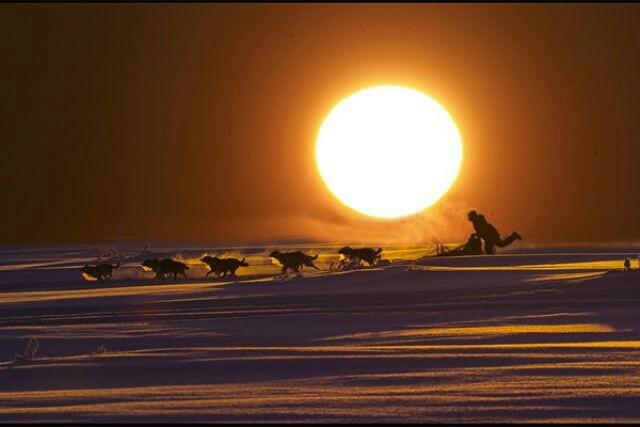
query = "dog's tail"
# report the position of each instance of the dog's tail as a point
(117, 265)
(378, 251)
(314, 257)
(244, 264)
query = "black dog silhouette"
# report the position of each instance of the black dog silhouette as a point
(165, 266)
(294, 260)
(223, 266)
(369, 255)
(99, 272)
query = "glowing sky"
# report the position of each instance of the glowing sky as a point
(198, 121)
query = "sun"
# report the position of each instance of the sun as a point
(388, 151)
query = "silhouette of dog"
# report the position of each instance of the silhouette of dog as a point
(99, 272)
(165, 266)
(153, 264)
(369, 255)
(223, 266)
(294, 260)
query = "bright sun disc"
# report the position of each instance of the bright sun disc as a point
(388, 151)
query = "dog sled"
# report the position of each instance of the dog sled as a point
(473, 246)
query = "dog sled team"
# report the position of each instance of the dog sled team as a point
(167, 268)
(295, 261)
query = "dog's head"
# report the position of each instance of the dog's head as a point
(345, 251)
(88, 274)
(275, 254)
(150, 264)
(215, 260)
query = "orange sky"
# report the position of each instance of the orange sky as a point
(188, 122)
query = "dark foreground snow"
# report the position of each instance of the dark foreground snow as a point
(529, 337)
